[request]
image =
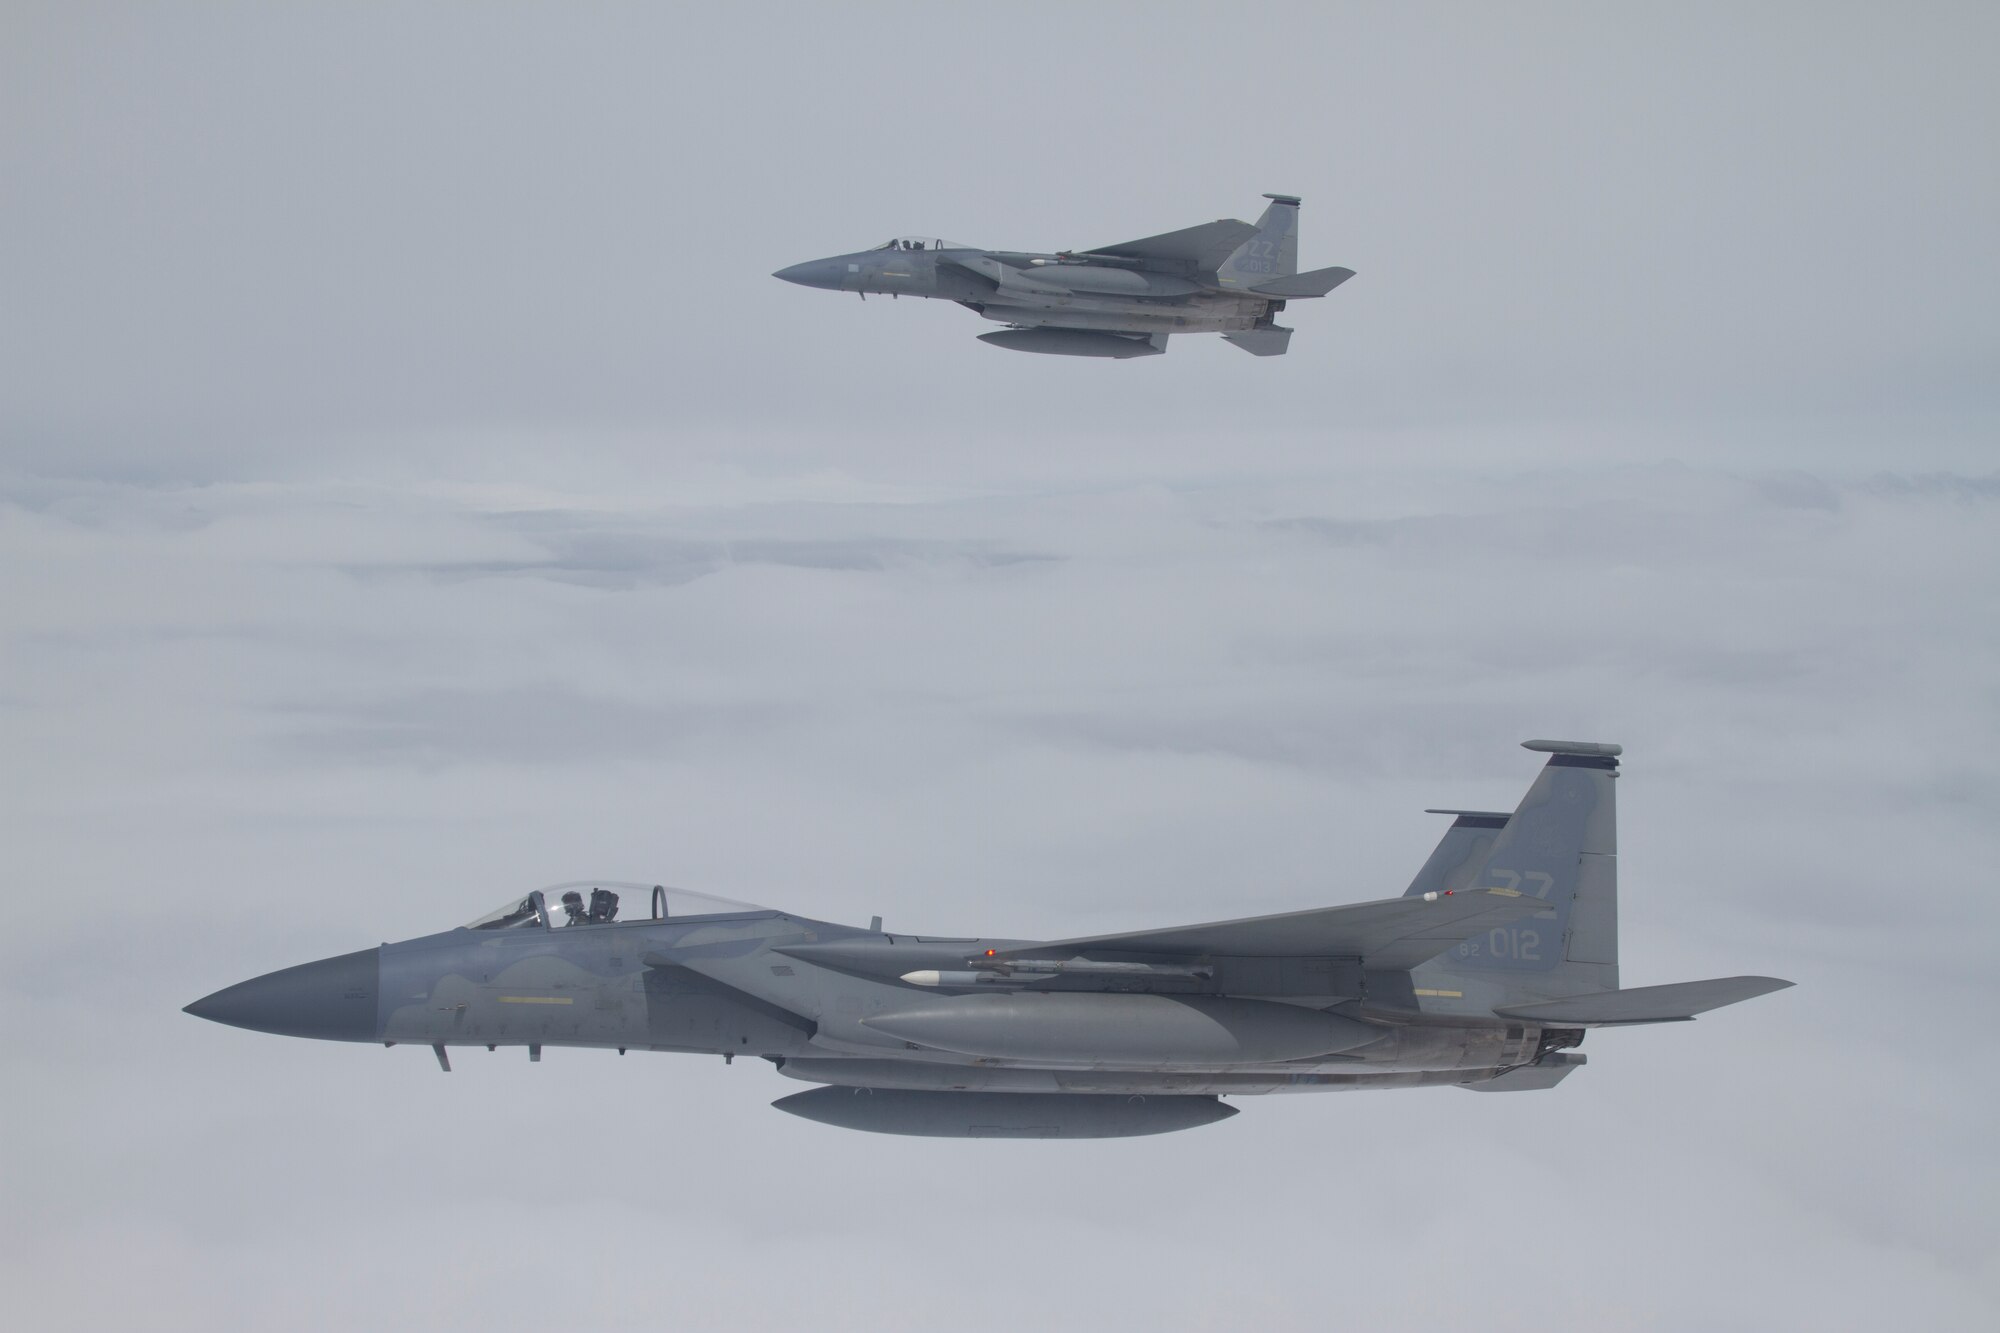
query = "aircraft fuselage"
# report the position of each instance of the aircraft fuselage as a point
(732, 985)
(1037, 290)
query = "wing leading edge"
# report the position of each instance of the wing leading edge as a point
(1205, 247)
(1394, 935)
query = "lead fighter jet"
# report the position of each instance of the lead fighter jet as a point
(1121, 301)
(1485, 975)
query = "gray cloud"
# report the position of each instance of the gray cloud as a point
(1187, 709)
(584, 550)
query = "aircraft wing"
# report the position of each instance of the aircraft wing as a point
(1205, 246)
(1394, 935)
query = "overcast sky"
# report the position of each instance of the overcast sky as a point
(414, 490)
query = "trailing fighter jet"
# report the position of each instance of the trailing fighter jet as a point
(1485, 974)
(1119, 301)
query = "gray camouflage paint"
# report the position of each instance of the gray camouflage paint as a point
(1119, 301)
(1099, 1018)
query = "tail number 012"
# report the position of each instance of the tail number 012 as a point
(1512, 944)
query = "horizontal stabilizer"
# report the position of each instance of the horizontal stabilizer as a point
(1646, 1004)
(1302, 285)
(1395, 934)
(1262, 342)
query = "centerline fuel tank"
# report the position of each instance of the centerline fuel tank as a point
(1002, 1115)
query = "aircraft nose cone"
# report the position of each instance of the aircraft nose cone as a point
(812, 273)
(333, 999)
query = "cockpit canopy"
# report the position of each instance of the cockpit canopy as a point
(599, 902)
(920, 243)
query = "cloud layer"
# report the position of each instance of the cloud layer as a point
(414, 492)
(275, 723)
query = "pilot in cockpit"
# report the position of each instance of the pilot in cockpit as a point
(573, 908)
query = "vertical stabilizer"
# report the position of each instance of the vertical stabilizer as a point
(1460, 854)
(1273, 252)
(1561, 846)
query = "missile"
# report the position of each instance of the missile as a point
(1090, 967)
(884, 956)
(1093, 257)
(1025, 971)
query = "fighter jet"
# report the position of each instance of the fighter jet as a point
(1119, 301)
(1485, 974)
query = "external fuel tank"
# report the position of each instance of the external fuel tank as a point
(1001, 1115)
(1123, 1031)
